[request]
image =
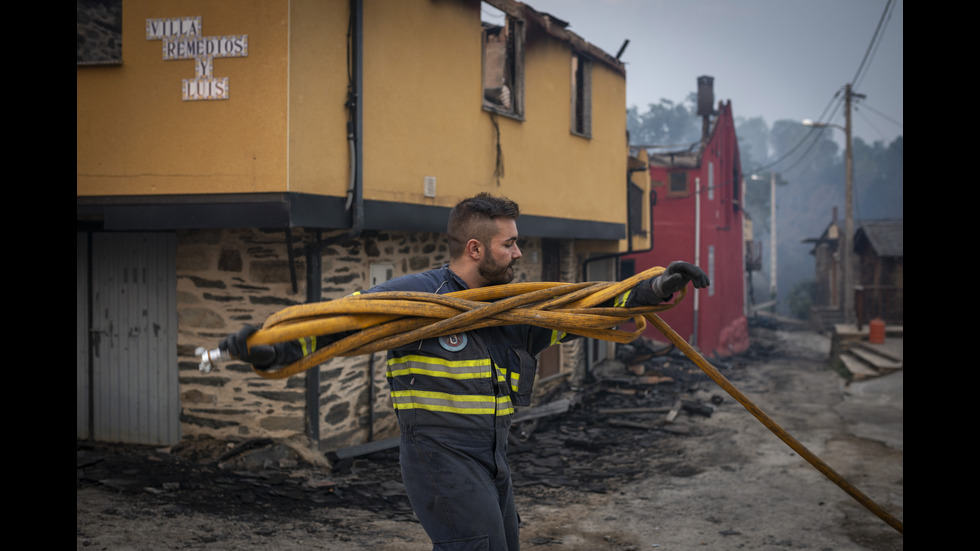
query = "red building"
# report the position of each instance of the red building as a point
(697, 217)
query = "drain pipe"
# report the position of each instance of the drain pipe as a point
(354, 206)
(697, 253)
(355, 127)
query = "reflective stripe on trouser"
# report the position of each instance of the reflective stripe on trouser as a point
(460, 486)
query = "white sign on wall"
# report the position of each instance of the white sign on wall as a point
(182, 39)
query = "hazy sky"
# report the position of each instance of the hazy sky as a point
(775, 59)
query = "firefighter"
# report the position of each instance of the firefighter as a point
(454, 395)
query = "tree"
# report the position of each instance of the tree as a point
(753, 142)
(878, 179)
(665, 123)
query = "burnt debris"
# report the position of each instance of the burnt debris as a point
(596, 438)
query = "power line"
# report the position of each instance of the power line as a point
(882, 115)
(875, 41)
(865, 62)
(871, 124)
(808, 136)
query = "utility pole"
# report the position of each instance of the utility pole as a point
(848, 212)
(847, 253)
(773, 289)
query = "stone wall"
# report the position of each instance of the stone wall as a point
(229, 278)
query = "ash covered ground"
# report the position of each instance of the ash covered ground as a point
(613, 471)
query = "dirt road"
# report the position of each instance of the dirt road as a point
(589, 479)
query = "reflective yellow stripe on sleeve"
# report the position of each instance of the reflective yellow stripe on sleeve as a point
(308, 345)
(620, 301)
(556, 336)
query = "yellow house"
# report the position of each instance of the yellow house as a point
(235, 157)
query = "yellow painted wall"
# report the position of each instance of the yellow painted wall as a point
(422, 102)
(135, 135)
(319, 152)
(563, 174)
(424, 117)
(283, 127)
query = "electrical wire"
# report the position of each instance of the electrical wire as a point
(875, 42)
(811, 135)
(864, 104)
(836, 100)
(869, 123)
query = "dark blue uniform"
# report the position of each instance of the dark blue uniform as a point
(454, 397)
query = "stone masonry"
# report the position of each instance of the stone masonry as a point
(229, 278)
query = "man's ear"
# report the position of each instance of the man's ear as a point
(474, 249)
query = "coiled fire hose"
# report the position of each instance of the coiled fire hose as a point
(386, 320)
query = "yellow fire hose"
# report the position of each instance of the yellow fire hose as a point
(382, 321)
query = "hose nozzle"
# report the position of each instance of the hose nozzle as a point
(209, 357)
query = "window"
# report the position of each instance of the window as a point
(678, 184)
(503, 61)
(711, 180)
(711, 270)
(98, 34)
(627, 268)
(636, 206)
(581, 96)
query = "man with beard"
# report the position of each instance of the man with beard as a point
(454, 395)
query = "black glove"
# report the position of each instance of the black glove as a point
(262, 356)
(676, 276)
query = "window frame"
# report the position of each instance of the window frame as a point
(580, 109)
(107, 25)
(711, 180)
(676, 192)
(513, 72)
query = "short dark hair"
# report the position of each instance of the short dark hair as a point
(471, 219)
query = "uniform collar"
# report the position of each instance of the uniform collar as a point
(455, 282)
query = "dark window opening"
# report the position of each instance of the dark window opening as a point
(503, 61)
(98, 32)
(678, 183)
(636, 210)
(581, 96)
(627, 268)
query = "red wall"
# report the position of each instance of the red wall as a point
(722, 328)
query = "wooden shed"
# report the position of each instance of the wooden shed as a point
(879, 292)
